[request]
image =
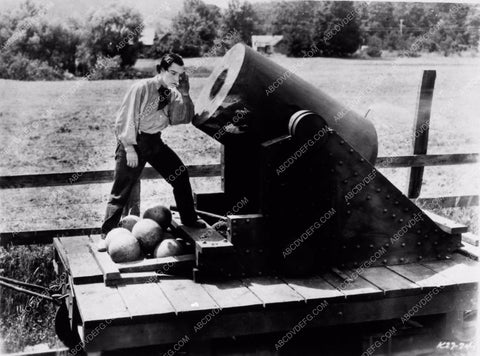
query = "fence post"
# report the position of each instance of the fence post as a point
(420, 130)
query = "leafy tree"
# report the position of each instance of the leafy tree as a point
(28, 34)
(240, 18)
(194, 30)
(294, 21)
(110, 31)
(339, 32)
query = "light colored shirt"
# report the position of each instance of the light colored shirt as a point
(139, 111)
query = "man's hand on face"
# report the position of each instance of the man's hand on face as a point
(132, 158)
(183, 85)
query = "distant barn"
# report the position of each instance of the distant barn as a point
(267, 44)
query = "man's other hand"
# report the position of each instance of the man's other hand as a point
(132, 158)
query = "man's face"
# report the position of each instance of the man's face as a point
(171, 76)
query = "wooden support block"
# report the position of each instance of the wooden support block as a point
(447, 225)
(83, 266)
(109, 268)
(158, 265)
(470, 251)
(136, 277)
(471, 239)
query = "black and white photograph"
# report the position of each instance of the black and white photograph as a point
(239, 177)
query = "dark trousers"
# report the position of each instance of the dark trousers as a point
(151, 149)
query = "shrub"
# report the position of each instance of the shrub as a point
(20, 67)
(374, 47)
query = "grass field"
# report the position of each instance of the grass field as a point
(43, 132)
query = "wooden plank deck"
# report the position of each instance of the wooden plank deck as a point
(166, 310)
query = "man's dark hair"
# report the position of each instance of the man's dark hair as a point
(167, 60)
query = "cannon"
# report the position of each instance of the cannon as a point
(305, 165)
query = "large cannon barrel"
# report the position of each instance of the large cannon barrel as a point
(249, 97)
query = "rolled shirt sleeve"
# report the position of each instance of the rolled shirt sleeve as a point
(127, 121)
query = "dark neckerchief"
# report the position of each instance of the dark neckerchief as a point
(164, 97)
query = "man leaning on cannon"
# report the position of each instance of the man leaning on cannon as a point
(150, 106)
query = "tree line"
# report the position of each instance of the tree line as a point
(35, 46)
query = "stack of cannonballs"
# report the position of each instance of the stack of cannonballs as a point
(136, 238)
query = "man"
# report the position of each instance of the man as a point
(149, 107)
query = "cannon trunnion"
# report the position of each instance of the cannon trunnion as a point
(304, 163)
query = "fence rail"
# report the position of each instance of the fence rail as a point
(212, 170)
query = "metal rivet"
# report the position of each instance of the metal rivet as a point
(330, 154)
(355, 174)
(435, 243)
(388, 196)
(378, 190)
(351, 150)
(385, 211)
(436, 230)
(439, 256)
(394, 216)
(403, 244)
(358, 246)
(419, 243)
(401, 220)
(349, 212)
(247, 251)
(247, 220)
(340, 162)
(259, 273)
(371, 246)
(426, 236)
(402, 259)
(342, 142)
(387, 244)
(419, 231)
(345, 181)
(406, 209)
(260, 250)
(355, 264)
(396, 202)
(420, 257)
(340, 313)
(368, 197)
(361, 160)
(384, 262)
(344, 246)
